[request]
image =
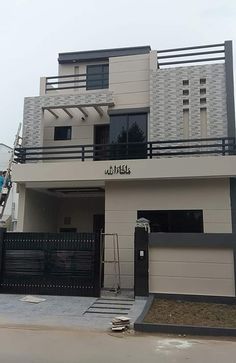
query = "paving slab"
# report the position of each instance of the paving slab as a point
(62, 311)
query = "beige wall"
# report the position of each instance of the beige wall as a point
(81, 211)
(123, 199)
(37, 212)
(129, 80)
(41, 212)
(82, 131)
(191, 271)
(163, 168)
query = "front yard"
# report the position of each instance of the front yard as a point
(179, 312)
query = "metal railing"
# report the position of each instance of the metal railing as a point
(125, 151)
(180, 56)
(76, 81)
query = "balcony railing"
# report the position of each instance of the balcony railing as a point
(77, 81)
(125, 151)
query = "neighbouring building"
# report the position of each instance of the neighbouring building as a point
(10, 212)
(121, 134)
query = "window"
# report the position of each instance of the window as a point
(131, 128)
(185, 82)
(185, 102)
(202, 91)
(174, 221)
(62, 133)
(97, 76)
(185, 92)
(202, 80)
(202, 101)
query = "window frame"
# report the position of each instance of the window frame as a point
(61, 138)
(104, 81)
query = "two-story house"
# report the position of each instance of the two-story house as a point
(126, 133)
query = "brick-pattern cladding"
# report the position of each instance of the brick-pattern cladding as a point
(33, 128)
(166, 101)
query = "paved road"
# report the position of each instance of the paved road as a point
(35, 345)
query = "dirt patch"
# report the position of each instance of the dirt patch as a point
(164, 311)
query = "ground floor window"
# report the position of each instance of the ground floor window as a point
(174, 221)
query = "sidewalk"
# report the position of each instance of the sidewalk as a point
(65, 311)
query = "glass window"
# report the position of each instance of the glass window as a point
(127, 129)
(97, 76)
(62, 133)
(174, 221)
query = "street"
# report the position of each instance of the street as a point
(42, 345)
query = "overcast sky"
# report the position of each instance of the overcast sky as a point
(33, 32)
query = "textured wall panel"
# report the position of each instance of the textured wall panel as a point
(166, 101)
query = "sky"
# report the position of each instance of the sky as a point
(33, 32)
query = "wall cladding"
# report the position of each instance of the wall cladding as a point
(33, 128)
(166, 102)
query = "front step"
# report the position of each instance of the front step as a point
(110, 307)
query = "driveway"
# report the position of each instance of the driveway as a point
(68, 311)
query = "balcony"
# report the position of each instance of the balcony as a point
(128, 151)
(96, 78)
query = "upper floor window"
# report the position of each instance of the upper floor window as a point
(130, 129)
(62, 133)
(97, 76)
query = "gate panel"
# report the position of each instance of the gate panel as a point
(51, 263)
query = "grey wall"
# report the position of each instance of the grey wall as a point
(166, 102)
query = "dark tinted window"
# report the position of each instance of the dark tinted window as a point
(62, 133)
(173, 221)
(129, 129)
(97, 76)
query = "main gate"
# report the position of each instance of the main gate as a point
(50, 263)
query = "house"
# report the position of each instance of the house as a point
(10, 212)
(125, 133)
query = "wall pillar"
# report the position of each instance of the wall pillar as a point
(141, 285)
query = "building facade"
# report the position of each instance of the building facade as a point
(10, 213)
(127, 133)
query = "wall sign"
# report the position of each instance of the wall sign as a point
(118, 169)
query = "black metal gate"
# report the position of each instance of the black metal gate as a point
(50, 263)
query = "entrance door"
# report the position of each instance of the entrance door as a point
(101, 138)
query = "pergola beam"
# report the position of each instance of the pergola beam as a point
(67, 112)
(83, 110)
(52, 112)
(99, 110)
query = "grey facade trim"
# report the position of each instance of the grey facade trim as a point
(229, 80)
(232, 182)
(214, 240)
(102, 54)
(230, 300)
(129, 111)
(145, 309)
